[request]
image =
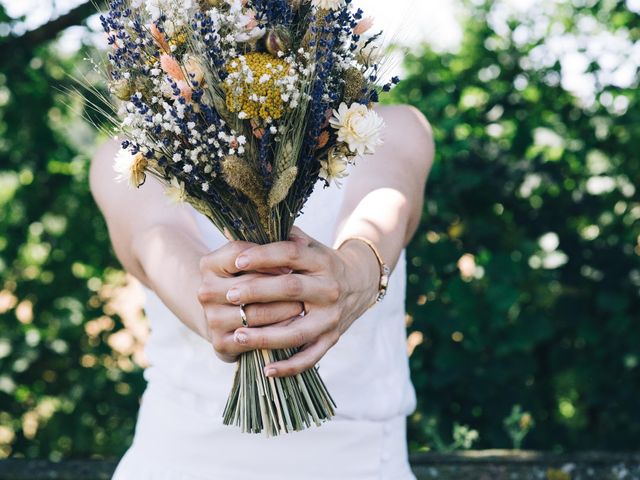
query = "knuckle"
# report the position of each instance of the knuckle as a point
(208, 290)
(227, 358)
(214, 320)
(203, 293)
(292, 286)
(236, 248)
(333, 291)
(204, 263)
(250, 291)
(219, 345)
(293, 251)
(258, 314)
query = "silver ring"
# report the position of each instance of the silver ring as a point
(243, 316)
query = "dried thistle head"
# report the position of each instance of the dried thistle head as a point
(209, 4)
(354, 83)
(277, 40)
(122, 89)
(244, 178)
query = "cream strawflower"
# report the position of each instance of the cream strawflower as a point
(328, 4)
(194, 69)
(175, 192)
(359, 127)
(130, 168)
(334, 167)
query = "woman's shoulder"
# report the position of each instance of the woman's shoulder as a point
(407, 129)
(402, 116)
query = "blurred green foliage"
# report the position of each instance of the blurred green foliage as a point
(61, 390)
(524, 278)
(525, 275)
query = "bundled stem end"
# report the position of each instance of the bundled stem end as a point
(274, 406)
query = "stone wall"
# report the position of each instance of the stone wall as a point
(509, 465)
(474, 465)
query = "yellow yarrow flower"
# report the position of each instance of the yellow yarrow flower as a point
(255, 86)
(179, 39)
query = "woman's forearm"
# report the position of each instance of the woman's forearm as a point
(383, 216)
(385, 195)
(170, 259)
(156, 242)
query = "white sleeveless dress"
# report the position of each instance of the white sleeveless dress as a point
(179, 433)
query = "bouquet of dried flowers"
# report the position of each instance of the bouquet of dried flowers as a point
(239, 107)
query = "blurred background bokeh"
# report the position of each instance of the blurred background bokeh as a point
(524, 281)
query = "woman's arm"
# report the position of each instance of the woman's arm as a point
(157, 242)
(383, 203)
(385, 193)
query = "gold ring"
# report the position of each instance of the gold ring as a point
(243, 316)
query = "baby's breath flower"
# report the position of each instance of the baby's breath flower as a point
(248, 28)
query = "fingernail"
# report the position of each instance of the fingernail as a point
(233, 295)
(269, 371)
(242, 262)
(240, 337)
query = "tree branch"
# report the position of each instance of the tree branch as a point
(49, 30)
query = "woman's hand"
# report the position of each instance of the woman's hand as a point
(219, 275)
(335, 286)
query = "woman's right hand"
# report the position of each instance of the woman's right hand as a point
(219, 275)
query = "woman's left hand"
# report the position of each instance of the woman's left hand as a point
(335, 286)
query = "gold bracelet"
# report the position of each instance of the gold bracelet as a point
(384, 269)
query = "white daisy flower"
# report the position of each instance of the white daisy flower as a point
(359, 127)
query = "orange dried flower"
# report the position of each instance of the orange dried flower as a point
(363, 26)
(159, 37)
(185, 90)
(171, 67)
(323, 139)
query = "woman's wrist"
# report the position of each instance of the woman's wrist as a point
(170, 261)
(362, 273)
